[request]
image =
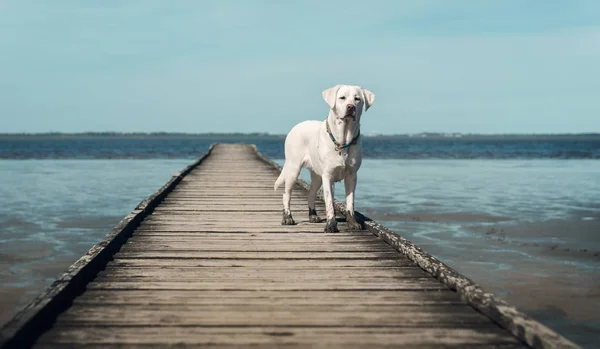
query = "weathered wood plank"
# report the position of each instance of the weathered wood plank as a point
(269, 315)
(294, 345)
(294, 337)
(269, 285)
(174, 209)
(226, 238)
(252, 247)
(302, 227)
(299, 205)
(304, 297)
(199, 225)
(119, 262)
(292, 279)
(257, 255)
(291, 271)
(201, 219)
(142, 233)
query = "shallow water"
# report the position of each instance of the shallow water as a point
(528, 230)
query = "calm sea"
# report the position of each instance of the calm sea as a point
(521, 216)
(384, 147)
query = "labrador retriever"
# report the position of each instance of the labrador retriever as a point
(331, 149)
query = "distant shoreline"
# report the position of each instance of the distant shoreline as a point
(233, 136)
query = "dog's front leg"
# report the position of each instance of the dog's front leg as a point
(331, 225)
(350, 185)
(315, 184)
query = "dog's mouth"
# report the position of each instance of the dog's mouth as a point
(347, 116)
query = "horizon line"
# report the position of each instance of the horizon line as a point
(267, 134)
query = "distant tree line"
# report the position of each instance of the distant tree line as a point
(265, 135)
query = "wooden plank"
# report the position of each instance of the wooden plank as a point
(284, 337)
(251, 247)
(119, 262)
(186, 246)
(168, 209)
(268, 316)
(301, 227)
(293, 280)
(273, 203)
(265, 284)
(291, 272)
(266, 219)
(304, 297)
(142, 233)
(231, 223)
(258, 255)
(278, 345)
(225, 238)
(217, 214)
(210, 238)
(298, 209)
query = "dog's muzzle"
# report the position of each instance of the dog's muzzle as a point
(350, 111)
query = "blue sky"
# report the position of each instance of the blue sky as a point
(260, 66)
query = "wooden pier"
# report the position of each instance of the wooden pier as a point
(204, 262)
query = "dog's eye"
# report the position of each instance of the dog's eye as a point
(357, 99)
(342, 98)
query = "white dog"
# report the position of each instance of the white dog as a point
(332, 151)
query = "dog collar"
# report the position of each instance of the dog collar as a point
(338, 146)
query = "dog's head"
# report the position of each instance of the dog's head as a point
(346, 102)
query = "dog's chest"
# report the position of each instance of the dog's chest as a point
(343, 165)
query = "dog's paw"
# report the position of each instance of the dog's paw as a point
(331, 227)
(287, 219)
(315, 219)
(352, 223)
(354, 226)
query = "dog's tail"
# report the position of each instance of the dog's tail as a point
(279, 181)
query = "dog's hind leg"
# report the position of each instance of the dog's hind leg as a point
(315, 184)
(290, 174)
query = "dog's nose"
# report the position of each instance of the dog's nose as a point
(350, 107)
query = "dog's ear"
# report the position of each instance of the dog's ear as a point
(368, 97)
(329, 95)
